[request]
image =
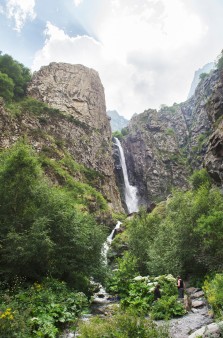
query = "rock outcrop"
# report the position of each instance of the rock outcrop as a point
(77, 123)
(163, 147)
(152, 155)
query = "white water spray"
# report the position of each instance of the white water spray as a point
(131, 199)
(108, 241)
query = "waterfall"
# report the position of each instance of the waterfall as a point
(131, 199)
(108, 242)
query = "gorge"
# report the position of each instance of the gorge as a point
(67, 184)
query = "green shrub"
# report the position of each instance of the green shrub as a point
(137, 294)
(119, 280)
(6, 87)
(40, 310)
(167, 307)
(169, 131)
(41, 230)
(117, 134)
(125, 131)
(203, 76)
(213, 288)
(122, 325)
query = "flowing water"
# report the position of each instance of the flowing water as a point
(131, 198)
(108, 242)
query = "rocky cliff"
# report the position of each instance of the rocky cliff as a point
(77, 124)
(163, 147)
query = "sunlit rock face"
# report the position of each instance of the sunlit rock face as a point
(163, 147)
(74, 89)
(78, 92)
(80, 126)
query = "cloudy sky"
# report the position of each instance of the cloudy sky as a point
(146, 51)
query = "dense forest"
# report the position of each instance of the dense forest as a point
(52, 236)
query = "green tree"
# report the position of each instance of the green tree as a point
(142, 231)
(199, 178)
(6, 87)
(19, 74)
(183, 238)
(203, 76)
(41, 231)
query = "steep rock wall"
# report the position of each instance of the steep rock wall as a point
(80, 126)
(163, 147)
(153, 157)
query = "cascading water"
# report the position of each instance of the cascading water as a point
(131, 199)
(108, 241)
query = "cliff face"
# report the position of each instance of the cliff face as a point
(163, 147)
(80, 127)
(213, 160)
(153, 155)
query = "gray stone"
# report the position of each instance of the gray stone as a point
(198, 303)
(212, 330)
(197, 294)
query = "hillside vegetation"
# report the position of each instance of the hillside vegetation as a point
(54, 222)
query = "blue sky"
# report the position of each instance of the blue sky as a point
(146, 51)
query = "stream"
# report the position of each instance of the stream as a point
(104, 305)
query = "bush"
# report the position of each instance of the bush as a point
(122, 325)
(40, 310)
(117, 134)
(213, 288)
(137, 294)
(41, 230)
(6, 87)
(167, 307)
(199, 178)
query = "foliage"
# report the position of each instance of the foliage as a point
(6, 87)
(137, 294)
(166, 308)
(19, 75)
(40, 310)
(117, 134)
(119, 280)
(213, 288)
(122, 325)
(203, 76)
(36, 107)
(199, 178)
(142, 231)
(187, 228)
(169, 131)
(32, 106)
(41, 230)
(81, 192)
(125, 131)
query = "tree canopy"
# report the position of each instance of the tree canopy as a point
(17, 75)
(42, 233)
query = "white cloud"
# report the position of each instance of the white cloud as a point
(20, 11)
(77, 2)
(146, 51)
(59, 47)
